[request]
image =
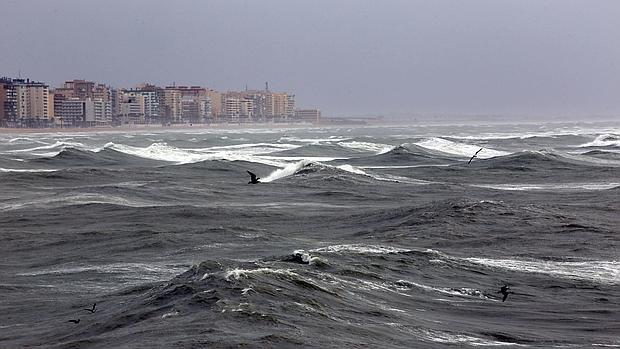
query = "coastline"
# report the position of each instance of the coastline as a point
(159, 128)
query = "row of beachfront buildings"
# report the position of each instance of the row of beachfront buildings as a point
(81, 103)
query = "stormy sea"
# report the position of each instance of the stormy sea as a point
(355, 237)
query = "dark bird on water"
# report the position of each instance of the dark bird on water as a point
(92, 310)
(75, 321)
(253, 178)
(505, 292)
(474, 156)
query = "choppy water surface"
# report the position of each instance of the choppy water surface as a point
(357, 237)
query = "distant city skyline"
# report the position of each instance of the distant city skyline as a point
(25, 102)
(346, 57)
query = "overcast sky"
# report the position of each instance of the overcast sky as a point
(343, 56)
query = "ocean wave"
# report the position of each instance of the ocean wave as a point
(159, 151)
(582, 159)
(549, 187)
(244, 273)
(535, 160)
(604, 140)
(179, 156)
(331, 139)
(80, 199)
(444, 337)
(145, 271)
(306, 166)
(24, 140)
(27, 170)
(251, 148)
(60, 145)
(376, 148)
(607, 272)
(460, 292)
(360, 249)
(459, 149)
(287, 171)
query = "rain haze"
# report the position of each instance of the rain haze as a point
(346, 57)
(311, 174)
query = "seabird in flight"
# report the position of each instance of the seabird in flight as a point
(253, 178)
(93, 308)
(474, 156)
(505, 292)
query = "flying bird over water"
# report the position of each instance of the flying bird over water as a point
(474, 156)
(92, 310)
(74, 321)
(253, 178)
(505, 292)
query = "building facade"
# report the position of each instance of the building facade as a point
(308, 115)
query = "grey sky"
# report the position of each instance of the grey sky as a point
(344, 56)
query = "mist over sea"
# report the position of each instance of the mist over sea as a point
(357, 237)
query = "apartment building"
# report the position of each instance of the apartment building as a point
(8, 101)
(32, 99)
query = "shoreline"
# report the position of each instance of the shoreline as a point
(275, 126)
(158, 128)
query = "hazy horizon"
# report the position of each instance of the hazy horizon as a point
(392, 58)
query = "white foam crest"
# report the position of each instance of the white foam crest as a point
(159, 151)
(105, 146)
(252, 148)
(376, 148)
(170, 314)
(460, 149)
(384, 178)
(58, 144)
(300, 158)
(306, 257)
(83, 199)
(461, 292)
(288, 170)
(34, 170)
(164, 152)
(457, 338)
(360, 249)
(314, 140)
(599, 271)
(353, 169)
(147, 270)
(25, 140)
(604, 140)
(244, 273)
(549, 187)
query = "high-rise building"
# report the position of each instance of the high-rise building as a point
(280, 103)
(188, 103)
(50, 104)
(97, 103)
(8, 102)
(154, 97)
(32, 99)
(172, 104)
(69, 111)
(231, 106)
(216, 103)
(132, 107)
(206, 110)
